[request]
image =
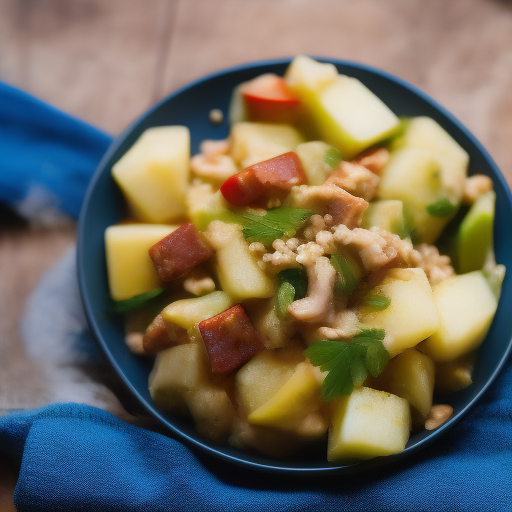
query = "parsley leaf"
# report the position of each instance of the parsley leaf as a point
(332, 158)
(122, 306)
(442, 208)
(294, 286)
(276, 223)
(348, 362)
(377, 301)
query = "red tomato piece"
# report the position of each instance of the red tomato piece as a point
(230, 339)
(276, 174)
(179, 252)
(267, 98)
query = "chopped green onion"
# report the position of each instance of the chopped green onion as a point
(298, 278)
(285, 296)
(442, 208)
(332, 158)
(377, 301)
(122, 306)
(346, 281)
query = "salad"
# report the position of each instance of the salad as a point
(324, 275)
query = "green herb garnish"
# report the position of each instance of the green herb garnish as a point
(349, 362)
(276, 223)
(332, 158)
(442, 208)
(377, 301)
(346, 280)
(122, 306)
(294, 286)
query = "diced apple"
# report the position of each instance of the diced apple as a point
(264, 375)
(344, 111)
(475, 234)
(368, 423)
(299, 396)
(177, 371)
(413, 176)
(425, 133)
(153, 173)
(387, 215)
(188, 312)
(466, 306)
(311, 155)
(205, 205)
(254, 142)
(129, 268)
(411, 316)
(237, 268)
(455, 375)
(409, 375)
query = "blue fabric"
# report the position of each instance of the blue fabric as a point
(76, 457)
(45, 153)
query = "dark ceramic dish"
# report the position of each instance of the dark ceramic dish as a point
(190, 106)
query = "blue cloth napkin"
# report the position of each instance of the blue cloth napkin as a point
(77, 457)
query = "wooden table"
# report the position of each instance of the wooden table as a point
(108, 61)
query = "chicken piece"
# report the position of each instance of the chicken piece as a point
(356, 179)
(213, 167)
(160, 336)
(230, 339)
(475, 186)
(436, 266)
(198, 282)
(178, 253)
(318, 304)
(343, 207)
(210, 147)
(374, 159)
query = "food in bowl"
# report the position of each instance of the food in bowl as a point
(286, 279)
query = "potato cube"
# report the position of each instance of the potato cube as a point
(129, 267)
(153, 173)
(367, 424)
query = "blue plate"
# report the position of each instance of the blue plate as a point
(190, 106)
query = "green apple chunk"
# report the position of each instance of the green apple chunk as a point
(177, 371)
(413, 176)
(387, 215)
(368, 423)
(237, 268)
(411, 315)
(344, 111)
(205, 205)
(311, 156)
(424, 133)
(153, 173)
(475, 234)
(188, 312)
(255, 142)
(410, 375)
(466, 307)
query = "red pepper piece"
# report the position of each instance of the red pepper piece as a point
(267, 98)
(230, 339)
(179, 252)
(276, 174)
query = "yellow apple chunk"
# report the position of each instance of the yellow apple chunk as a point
(237, 268)
(311, 156)
(177, 371)
(343, 110)
(188, 312)
(129, 267)
(153, 173)
(368, 423)
(411, 315)
(255, 142)
(409, 375)
(298, 397)
(466, 307)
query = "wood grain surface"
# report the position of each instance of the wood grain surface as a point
(108, 61)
